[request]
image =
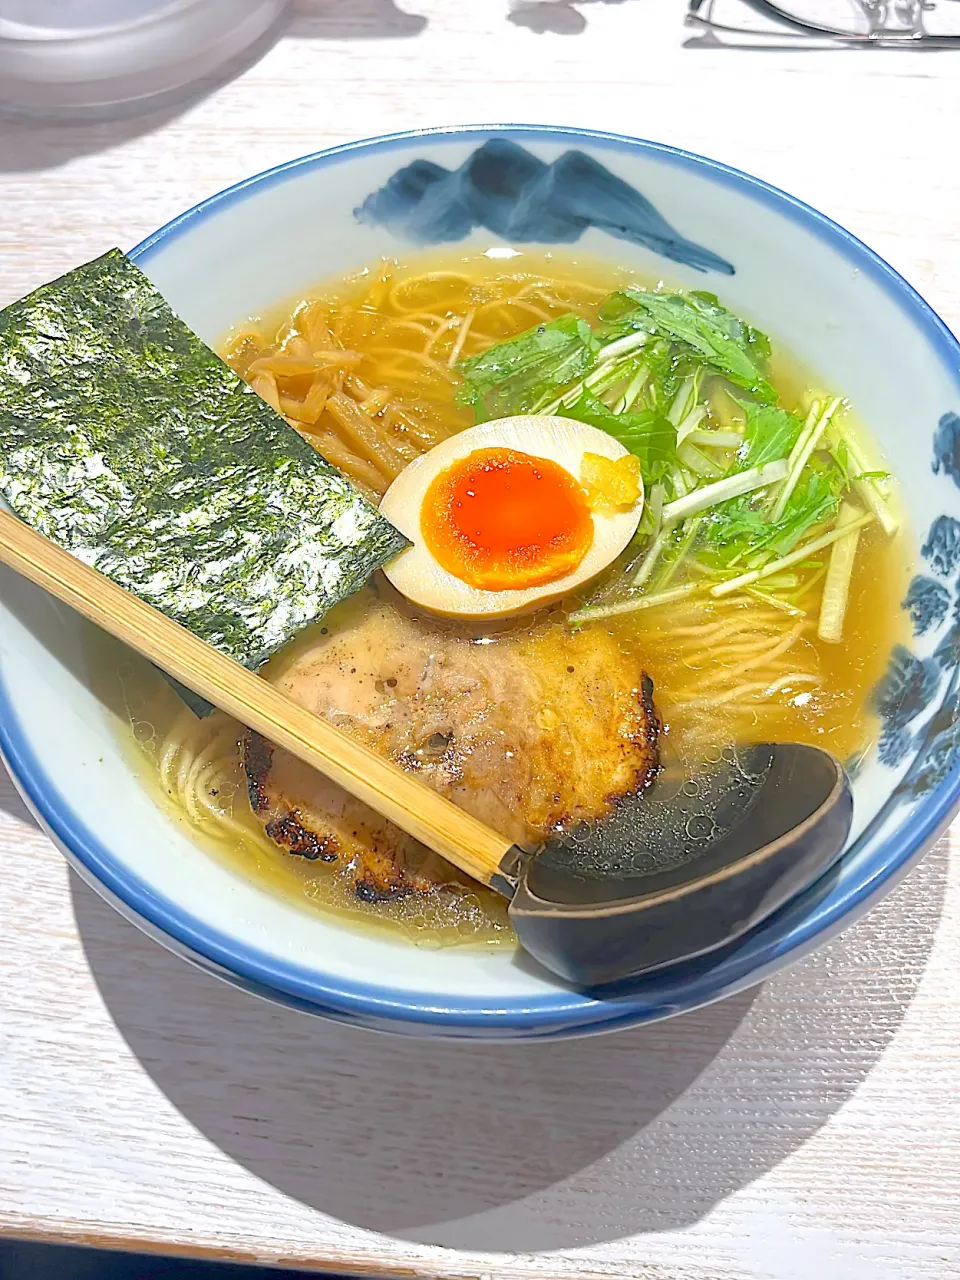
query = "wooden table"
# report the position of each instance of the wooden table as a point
(807, 1130)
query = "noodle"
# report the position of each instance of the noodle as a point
(367, 378)
(462, 331)
(729, 677)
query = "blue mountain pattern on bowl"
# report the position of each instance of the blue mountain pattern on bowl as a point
(913, 684)
(511, 193)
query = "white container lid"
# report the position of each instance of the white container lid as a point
(66, 57)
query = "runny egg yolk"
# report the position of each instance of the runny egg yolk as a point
(501, 520)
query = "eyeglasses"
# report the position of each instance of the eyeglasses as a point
(885, 23)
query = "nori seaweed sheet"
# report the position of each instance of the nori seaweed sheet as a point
(129, 442)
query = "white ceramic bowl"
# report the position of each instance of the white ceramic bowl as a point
(832, 301)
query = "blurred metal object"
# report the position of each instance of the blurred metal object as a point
(858, 23)
(62, 59)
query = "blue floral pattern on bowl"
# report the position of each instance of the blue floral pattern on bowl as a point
(507, 190)
(912, 684)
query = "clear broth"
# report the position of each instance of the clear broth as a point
(687, 667)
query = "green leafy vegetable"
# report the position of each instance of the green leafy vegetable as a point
(741, 528)
(770, 435)
(667, 370)
(645, 433)
(815, 500)
(788, 561)
(661, 373)
(737, 330)
(526, 373)
(685, 538)
(632, 604)
(818, 419)
(722, 491)
(734, 524)
(130, 443)
(698, 322)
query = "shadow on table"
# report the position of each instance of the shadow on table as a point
(520, 1147)
(30, 145)
(11, 801)
(559, 17)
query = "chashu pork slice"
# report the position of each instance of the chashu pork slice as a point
(530, 732)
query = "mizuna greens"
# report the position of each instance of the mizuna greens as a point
(744, 493)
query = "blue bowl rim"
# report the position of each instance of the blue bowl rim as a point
(752, 958)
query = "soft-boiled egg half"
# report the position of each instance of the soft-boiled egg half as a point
(511, 514)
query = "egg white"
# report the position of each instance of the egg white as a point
(418, 576)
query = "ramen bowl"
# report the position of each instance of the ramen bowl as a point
(830, 300)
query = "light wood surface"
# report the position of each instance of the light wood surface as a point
(809, 1130)
(457, 836)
